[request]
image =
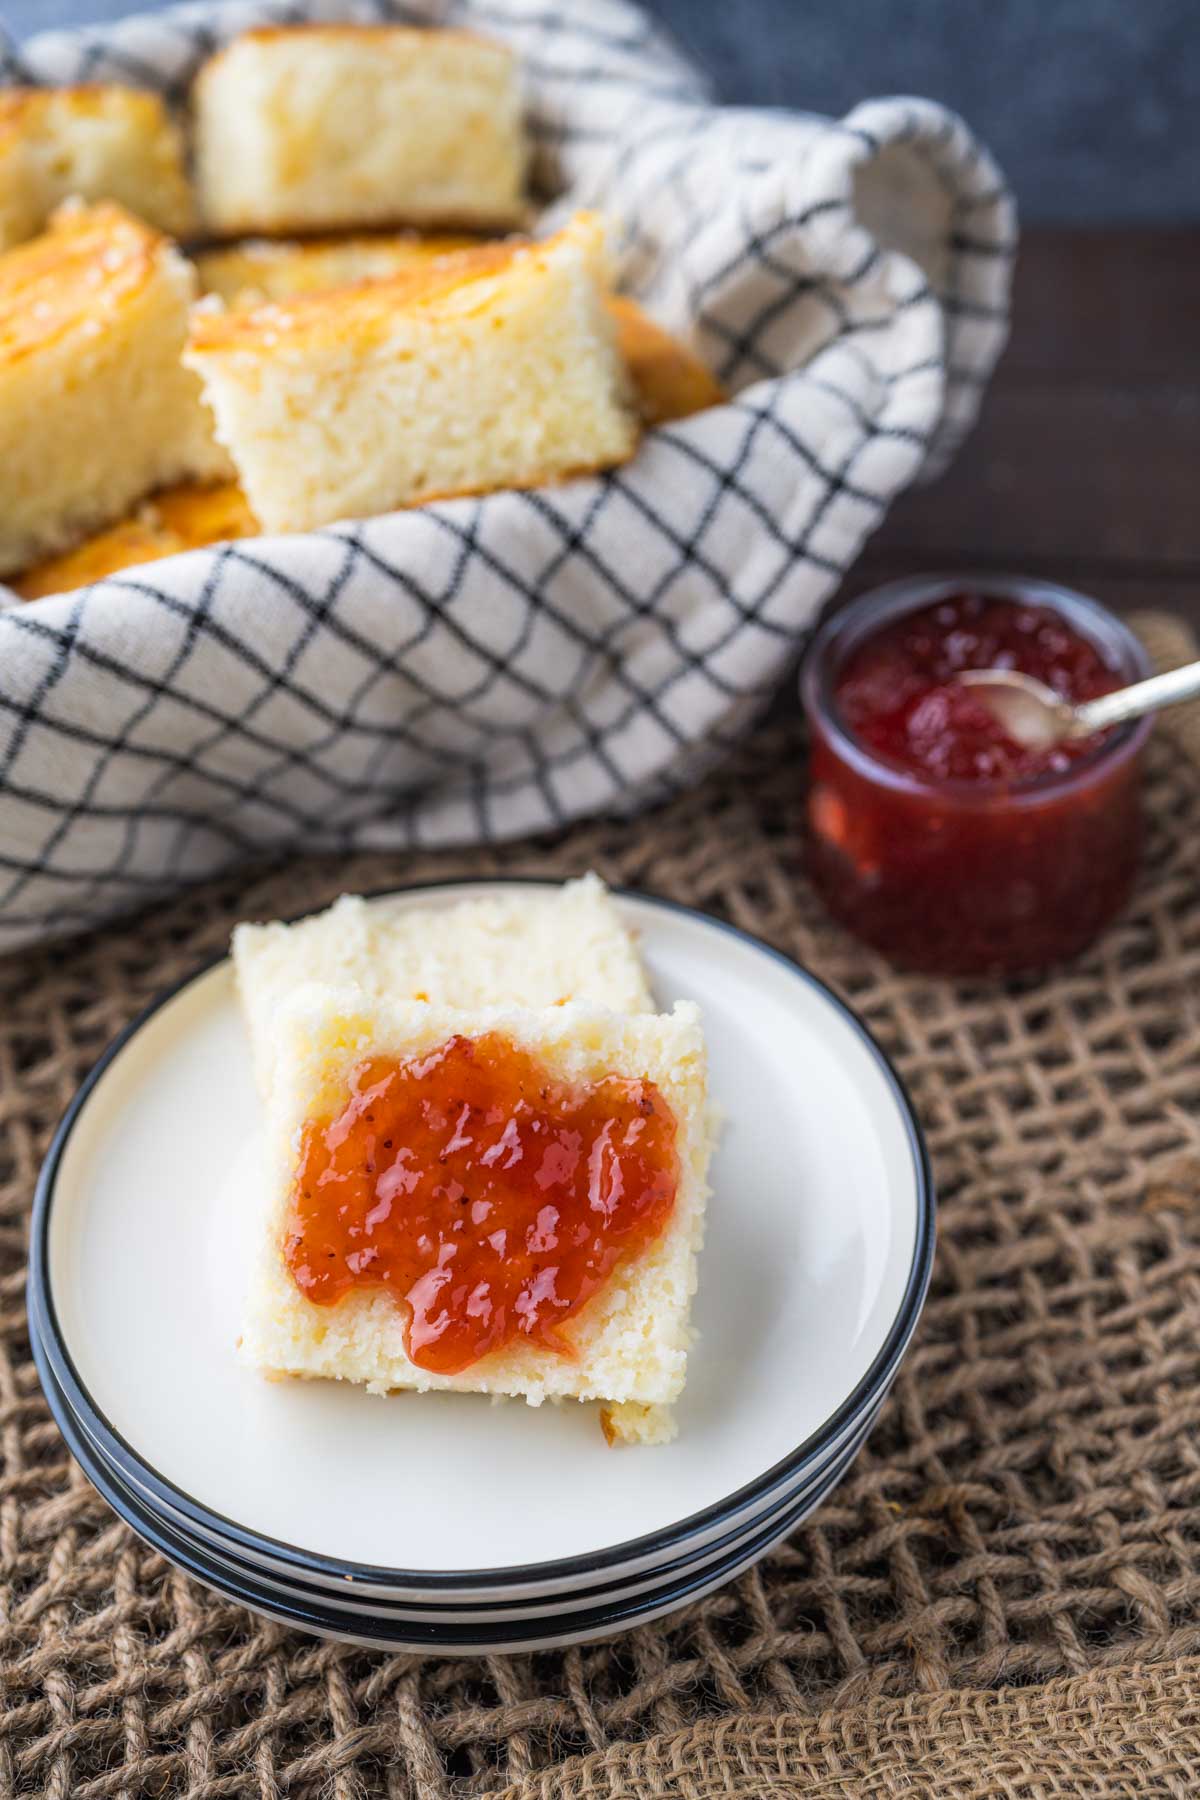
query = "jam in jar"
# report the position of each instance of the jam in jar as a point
(932, 834)
(489, 1198)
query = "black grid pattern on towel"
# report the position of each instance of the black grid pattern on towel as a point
(488, 668)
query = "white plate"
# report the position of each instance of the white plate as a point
(384, 1631)
(609, 1587)
(366, 1599)
(819, 1241)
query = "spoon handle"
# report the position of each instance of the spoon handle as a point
(1142, 697)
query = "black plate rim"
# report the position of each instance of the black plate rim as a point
(456, 1638)
(224, 1555)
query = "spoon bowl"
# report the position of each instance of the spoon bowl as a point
(1030, 711)
(1035, 717)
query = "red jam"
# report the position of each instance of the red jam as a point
(897, 692)
(932, 834)
(489, 1198)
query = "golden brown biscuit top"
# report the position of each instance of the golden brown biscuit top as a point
(402, 36)
(187, 517)
(259, 270)
(196, 514)
(130, 541)
(23, 107)
(361, 314)
(669, 381)
(89, 261)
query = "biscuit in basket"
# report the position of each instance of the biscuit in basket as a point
(102, 142)
(187, 517)
(331, 127)
(496, 1200)
(96, 408)
(496, 367)
(669, 380)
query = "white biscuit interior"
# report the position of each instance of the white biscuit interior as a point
(529, 946)
(327, 128)
(495, 368)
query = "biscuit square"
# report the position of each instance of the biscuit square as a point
(332, 127)
(96, 407)
(495, 367)
(100, 142)
(526, 946)
(627, 1344)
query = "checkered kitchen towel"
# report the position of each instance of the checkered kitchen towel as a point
(486, 668)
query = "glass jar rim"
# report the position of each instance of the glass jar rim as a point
(848, 625)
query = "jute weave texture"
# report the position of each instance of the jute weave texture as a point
(1003, 1598)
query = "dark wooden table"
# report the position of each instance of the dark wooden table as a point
(1085, 466)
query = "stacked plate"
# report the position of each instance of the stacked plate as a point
(446, 1522)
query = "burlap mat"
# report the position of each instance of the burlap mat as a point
(1004, 1596)
(1111, 1734)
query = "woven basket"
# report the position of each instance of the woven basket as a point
(483, 669)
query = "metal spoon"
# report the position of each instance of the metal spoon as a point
(1035, 716)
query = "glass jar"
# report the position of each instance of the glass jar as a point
(968, 877)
